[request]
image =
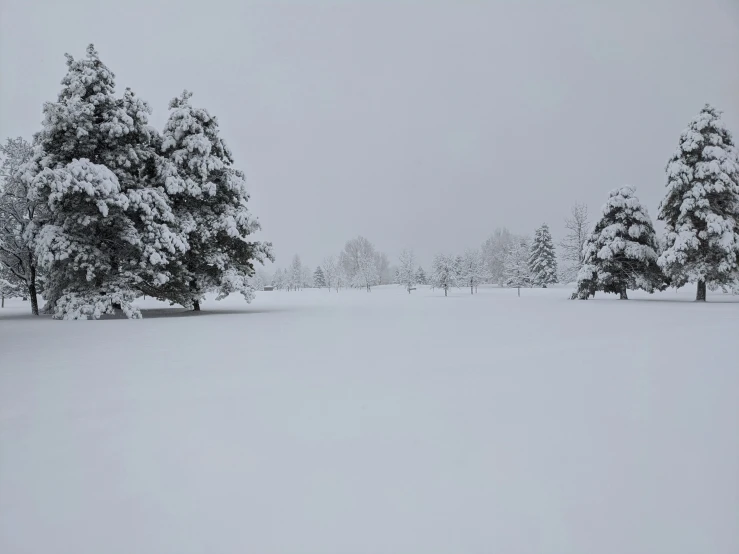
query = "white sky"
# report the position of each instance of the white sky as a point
(416, 124)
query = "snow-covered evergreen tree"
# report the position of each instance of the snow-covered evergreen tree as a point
(407, 270)
(516, 266)
(542, 258)
(19, 223)
(109, 228)
(458, 264)
(209, 199)
(421, 278)
(701, 206)
(444, 272)
(472, 269)
(621, 252)
(319, 280)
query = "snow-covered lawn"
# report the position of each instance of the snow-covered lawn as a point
(382, 422)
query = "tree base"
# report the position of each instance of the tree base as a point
(700, 293)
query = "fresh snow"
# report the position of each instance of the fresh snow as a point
(375, 422)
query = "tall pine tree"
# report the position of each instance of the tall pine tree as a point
(209, 199)
(621, 252)
(109, 226)
(421, 278)
(319, 279)
(701, 206)
(542, 258)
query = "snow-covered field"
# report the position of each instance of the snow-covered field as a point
(326, 423)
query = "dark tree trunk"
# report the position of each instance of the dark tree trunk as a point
(32, 291)
(114, 270)
(34, 298)
(445, 294)
(2, 301)
(195, 296)
(700, 294)
(623, 295)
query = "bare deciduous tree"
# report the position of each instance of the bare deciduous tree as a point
(19, 219)
(407, 270)
(359, 261)
(384, 276)
(517, 266)
(331, 273)
(296, 274)
(494, 251)
(578, 227)
(306, 278)
(444, 272)
(472, 269)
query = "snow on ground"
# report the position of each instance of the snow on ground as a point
(316, 422)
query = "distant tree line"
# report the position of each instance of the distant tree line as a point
(620, 252)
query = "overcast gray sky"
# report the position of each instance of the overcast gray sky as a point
(417, 124)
